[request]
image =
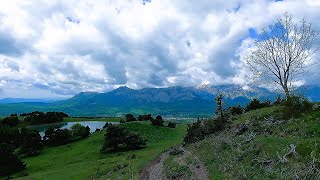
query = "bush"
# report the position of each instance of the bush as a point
(55, 137)
(146, 117)
(106, 125)
(256, 104)
(79, 131)
(172, 125)
(236, 110)
(294, 106)
(44, 118)
(30, 142)
(117, 137)
(130, 118)
(10, 121)
(9, 163)
(122, 121)
(157, 122)
(195, 132)
(135, 141)
(278, 101)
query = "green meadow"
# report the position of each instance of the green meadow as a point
(83, 160)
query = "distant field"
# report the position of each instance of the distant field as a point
(106, 119)
(82, 160)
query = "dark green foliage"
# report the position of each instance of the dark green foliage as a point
(106, 125)
(277, 101)
(79, 131)
(130, 118)
(198, 130)
(135, 141)
(45, 118)
(146, 117)
(9, 163)
(294, 106)
(30, 142)
(9, 135)
(158, 121)
(114, 137)
(172, 125)
(55, 137)
(257, 104)
(117, 137)
(122, 121)
(195, 132)
(236, 110)
(219, 107)
(10, 120)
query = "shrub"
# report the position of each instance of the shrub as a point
(30, 142)
(9, 163)
(294, 106)
(135, 141)
(256, 104)
(146, 117)
(195, 132)
(79, 131)
(44, 118)
(106, 125)
(278, 101)
(130, 118)
(122, 121)
(158, 121)
(117, 137)
(55, 137)
(172, 125)
(10, 121)
(236, 110)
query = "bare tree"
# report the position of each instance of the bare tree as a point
(283, 52)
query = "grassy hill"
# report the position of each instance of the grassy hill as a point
(82, 159)
(263, 150)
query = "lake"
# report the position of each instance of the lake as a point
(93, 125)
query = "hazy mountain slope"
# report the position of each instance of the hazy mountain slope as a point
(175, 101)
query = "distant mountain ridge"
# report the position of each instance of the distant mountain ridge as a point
(171, 101)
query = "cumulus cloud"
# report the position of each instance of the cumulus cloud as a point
(60, 48)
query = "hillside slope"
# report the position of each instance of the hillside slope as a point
(175, 101)
(83, 160)
(271, 148)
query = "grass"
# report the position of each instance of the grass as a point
(174, 170)
(82, 159)
(229, 155)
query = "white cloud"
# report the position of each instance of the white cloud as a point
(60, 48)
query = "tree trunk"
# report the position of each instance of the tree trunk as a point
(286, 90)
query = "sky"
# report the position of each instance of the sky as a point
(58, 48)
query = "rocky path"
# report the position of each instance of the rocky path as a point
(156, 170)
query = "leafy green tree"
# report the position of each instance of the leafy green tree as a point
(55, 137)
(130, 117)
(9, 163)
(10, 120)
(135, 141)
(30, 142)
(114, 137)
(117, 137)
(158, 121)
(79, 131)
(236, 110)
(172, 125)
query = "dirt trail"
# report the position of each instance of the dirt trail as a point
(156, 171)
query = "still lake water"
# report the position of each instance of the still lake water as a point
(93, 125)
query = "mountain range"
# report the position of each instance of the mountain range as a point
(171, 101)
